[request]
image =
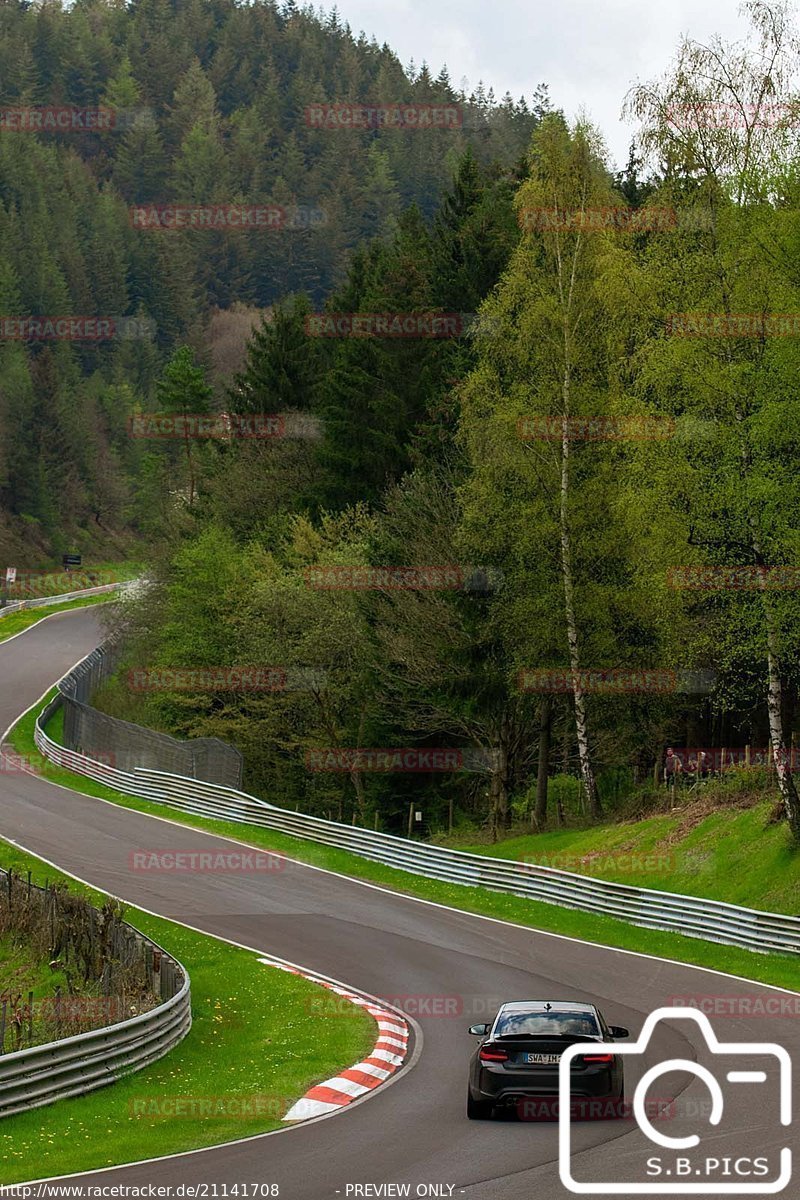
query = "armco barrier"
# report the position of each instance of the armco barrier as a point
(712, 920)
(45, 601)
(75, 1065)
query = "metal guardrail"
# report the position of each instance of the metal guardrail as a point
(45, 601)
(72, 1066)
(693, 916)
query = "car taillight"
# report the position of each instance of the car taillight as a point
(598, 1058)
(492, 1054)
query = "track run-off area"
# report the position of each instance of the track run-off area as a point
(412, 1130)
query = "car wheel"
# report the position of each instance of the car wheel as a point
(618, 1100)
(478, 1110)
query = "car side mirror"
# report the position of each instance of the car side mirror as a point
(479, 1030)
(618, 1031)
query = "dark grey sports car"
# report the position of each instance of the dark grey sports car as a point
(520, 1051)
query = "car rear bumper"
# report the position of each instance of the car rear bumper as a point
(508, 1087)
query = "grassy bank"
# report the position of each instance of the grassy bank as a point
(718, 843)
(776, 969)
(257, 1043)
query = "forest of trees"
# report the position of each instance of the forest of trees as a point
(207, 104)
(598, 467)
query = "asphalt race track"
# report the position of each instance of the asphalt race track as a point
(415, 1130)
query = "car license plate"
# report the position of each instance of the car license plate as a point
(542, 1059)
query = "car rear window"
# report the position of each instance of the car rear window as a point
(553, 1024)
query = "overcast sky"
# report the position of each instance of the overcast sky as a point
(588, 51)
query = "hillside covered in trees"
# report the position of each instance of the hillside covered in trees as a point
(522, 505)
(193, 104)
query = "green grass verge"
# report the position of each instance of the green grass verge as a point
(782, 970)
(17, 622)
(729, 853)
(256, 1045)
